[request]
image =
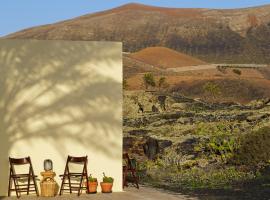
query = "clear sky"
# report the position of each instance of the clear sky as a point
(19, 14)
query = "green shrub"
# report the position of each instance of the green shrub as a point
(237, 71)
(254, 148)
(221, 68)
(162, 83)
(149, 80)
(221, 141)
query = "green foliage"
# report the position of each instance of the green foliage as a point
(149, 80)
(220, 128)
(222, 140)
(211, 90)
(133, 163)
(237, 71)
(107, 179)
(254, 148)
(222, 146)
(198, 178)
(214, 179)
(91, 179)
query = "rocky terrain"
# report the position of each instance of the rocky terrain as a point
(186, 144)
(227, 36)
(169, 120)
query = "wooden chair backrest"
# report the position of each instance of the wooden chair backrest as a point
(77, 160)
(129, 161)
(20, 161)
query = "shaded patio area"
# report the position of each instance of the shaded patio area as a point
(130, 193)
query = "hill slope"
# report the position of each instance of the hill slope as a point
(235, 35)
(165, 58)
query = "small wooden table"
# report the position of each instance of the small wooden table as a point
(48, 185)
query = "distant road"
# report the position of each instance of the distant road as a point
(191, 68)
(213, 66)
(244, 65)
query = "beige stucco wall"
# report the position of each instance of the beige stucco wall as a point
(60, 98)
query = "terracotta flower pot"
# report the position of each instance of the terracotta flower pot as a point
(92, 187)
(106, 187)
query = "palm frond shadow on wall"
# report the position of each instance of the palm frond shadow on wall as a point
(52, 92)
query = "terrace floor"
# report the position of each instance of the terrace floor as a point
(131, 193)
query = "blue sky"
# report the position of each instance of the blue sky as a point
(19, 14)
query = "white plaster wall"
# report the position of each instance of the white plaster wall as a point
(60, 98)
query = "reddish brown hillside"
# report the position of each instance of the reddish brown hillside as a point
(163, 57)
(176, 12)
(213, 35)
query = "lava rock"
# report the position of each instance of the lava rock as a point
(151, 148)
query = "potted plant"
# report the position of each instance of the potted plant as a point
(92, 184)
(106, 185)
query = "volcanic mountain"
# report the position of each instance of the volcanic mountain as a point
(214, 35)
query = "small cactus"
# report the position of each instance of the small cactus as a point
(107, 179)
(91, 179)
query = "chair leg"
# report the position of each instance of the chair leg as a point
(28, 184)
(125, 178)
(18, 193)
(62, 185)
(87, 185)
(80, 187)
(9, 184)
(69, 183)
(135, 178)
(36, 188)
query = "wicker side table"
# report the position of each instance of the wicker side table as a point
(48, 185)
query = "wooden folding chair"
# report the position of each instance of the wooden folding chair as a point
(19, 179)
(130, 167)
(72, 177)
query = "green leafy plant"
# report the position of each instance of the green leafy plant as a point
(107, 179)
(221, 142)
(222, 146)
(92, 179)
